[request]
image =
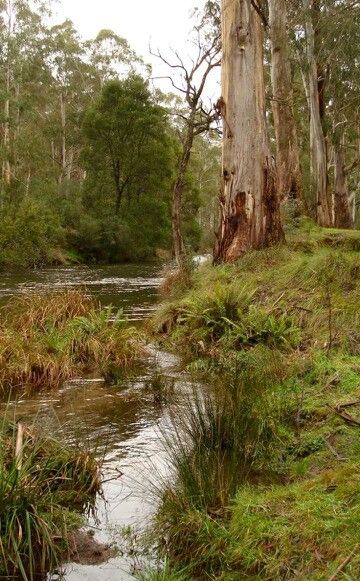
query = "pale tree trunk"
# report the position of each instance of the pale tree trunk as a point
(6, 138)
(70, 163)
(289, 179)
(178, 191)
(28, 179)
(318, 150)
(63, 138)
(6, 163)
(250, 213)
(342, 212)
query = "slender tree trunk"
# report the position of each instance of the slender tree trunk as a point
(289, 179)
(318, 149)
(178, 191)
(6, 163)
(342, 211)
(28, 179)
(63, 137)
(250, 213)
(70, 163)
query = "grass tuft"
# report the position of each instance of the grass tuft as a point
(46, 340)
(44, 489)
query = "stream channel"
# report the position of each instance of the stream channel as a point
(121, 423)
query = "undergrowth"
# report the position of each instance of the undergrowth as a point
(266, 462)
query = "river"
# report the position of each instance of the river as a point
(121, 424)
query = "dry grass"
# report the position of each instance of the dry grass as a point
(46, 340)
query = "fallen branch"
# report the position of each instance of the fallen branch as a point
(348, 405)
(344, 563)
(344, 415)
(334, 451)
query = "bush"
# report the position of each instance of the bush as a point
(31, 236)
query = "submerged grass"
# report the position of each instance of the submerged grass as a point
(44, 489)
(267, 472)
(47, 339)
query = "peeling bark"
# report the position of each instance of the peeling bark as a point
(250, 213)
(342, 211)
(318, 149)
(289, 178)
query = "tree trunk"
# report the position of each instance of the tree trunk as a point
(342, 211)
(178, 190)
(289, 179)
(63, 138)
(6, 163)
(250, 213)
(318, 150)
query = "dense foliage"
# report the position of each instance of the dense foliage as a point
(88, 152)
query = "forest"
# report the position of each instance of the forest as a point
(179, 296)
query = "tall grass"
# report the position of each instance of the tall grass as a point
(216, 442)
(44, 488)
(47, 339)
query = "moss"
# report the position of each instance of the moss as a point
(290, 316)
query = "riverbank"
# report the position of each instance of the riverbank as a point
(267, 472)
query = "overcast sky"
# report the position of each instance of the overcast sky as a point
(163, 23)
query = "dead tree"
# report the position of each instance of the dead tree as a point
(196, 119)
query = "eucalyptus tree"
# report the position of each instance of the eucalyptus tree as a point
(250, 211)
(288, 170)
(70, 85)
(127, 145)
(110, 57)
(21, 34)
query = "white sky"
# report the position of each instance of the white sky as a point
(163, 23)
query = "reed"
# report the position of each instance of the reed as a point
(46, 340)
(44, 489)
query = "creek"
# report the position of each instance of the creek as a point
(120, 424)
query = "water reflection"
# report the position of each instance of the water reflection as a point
(133, 287)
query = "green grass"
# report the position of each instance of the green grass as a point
(48, 339)
(44, 490)
(286, 323)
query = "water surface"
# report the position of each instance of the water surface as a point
(120, 423)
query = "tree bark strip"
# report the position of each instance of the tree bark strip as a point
(289, 178)
(250, 213)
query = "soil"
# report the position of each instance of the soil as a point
(84, 549)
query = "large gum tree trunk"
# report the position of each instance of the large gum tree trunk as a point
(342, 211)
(250, 214)
(289, 179)
(318, 150)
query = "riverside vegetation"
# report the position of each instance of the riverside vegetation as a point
(46, 487)
(46, 340)
(44, 490)
(266, 466)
